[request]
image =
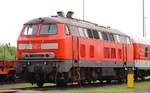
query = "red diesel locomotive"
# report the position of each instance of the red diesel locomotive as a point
(61, 49)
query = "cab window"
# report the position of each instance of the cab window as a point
(30, 30)
(48, 29)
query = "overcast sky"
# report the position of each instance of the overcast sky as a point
(124, 15)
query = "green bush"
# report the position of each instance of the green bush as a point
(7, 52)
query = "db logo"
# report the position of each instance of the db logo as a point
(36, 46)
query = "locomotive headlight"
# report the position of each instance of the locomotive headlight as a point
(49, 46)
(25, 46)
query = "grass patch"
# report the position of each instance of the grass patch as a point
(115, 89)
(99, 89)
(91, 89)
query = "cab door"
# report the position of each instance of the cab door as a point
(75, 47)
(124, 52)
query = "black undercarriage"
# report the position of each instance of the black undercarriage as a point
(61, 73)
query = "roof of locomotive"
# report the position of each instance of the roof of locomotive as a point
(75, 22)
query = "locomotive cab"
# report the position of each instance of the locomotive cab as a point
(42, 41)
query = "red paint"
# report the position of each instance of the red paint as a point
(7, 66)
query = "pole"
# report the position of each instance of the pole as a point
(143, 7)
(83, 9)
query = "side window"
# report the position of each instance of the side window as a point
(81, 32)
(100, 35)
(146, 51)
(111, 37)
(104, 36)
(89, 32)
(128, 40)
(123, 39)
(117, 39)
(74, 31)
(67, 30)
(95, 34)
(85, 32)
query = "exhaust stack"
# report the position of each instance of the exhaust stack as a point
(60, 13)
(69, 14)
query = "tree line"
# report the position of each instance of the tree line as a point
(7, 52)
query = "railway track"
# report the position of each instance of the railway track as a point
(53, 87)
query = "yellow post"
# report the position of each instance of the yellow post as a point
(130, 79)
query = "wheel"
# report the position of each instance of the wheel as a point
(101, 81)
(135, 78)
(108, 81)
(60, 83)
(39, 84)
(89, 81)
(12, 75)
(120, 81)
(142, 78)
(81, 83)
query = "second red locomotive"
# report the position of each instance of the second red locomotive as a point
(62, 49)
